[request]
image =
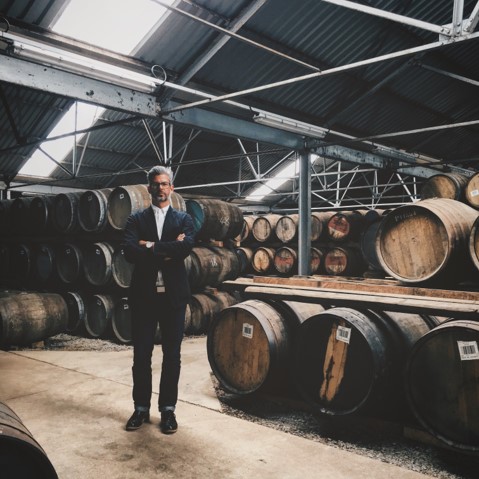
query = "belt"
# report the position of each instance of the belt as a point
(160, 289)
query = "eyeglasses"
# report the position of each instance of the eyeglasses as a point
(163, 184)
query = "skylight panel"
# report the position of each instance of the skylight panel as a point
(117, 25)
(284, 174)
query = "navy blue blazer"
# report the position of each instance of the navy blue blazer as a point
(167, 254)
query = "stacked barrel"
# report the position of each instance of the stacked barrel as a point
(343, 361)
(212, 260)
(63, 244)
(269, 243)
(69, 244)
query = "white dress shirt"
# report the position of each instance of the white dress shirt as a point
(160, 215)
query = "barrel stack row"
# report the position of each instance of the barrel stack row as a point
(70, 244)
(343, 361)
(431, 242)
(454, 186)
(341, 243)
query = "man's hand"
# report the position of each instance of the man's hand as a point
(180, 237)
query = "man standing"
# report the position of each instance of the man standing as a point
(157, 240)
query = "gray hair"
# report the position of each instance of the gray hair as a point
(159, 170)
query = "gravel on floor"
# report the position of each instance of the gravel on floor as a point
(377, 439)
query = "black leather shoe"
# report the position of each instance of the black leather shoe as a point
(168, 424)
(137, 419)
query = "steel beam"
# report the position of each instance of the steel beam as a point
(69, 85)
(235, 127)
(439, 29)
(304, 234)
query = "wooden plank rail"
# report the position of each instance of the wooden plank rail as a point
(376, 295)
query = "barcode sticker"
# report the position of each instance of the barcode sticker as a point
(474, 193)
(343, 334)
(247, 330)
(468, 350)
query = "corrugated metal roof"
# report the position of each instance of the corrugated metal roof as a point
(385, 97)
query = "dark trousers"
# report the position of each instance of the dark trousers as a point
(145, 319)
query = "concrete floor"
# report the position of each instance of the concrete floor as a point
(75, 404)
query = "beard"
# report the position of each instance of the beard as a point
(160, 197)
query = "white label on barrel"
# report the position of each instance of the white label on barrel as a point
(343, 334)
(468, 350)
(98, 302)
(97, 251)
(247, 330)
(125, 306)
(474, 192)
(121, 196)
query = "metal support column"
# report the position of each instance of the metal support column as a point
(304, 238)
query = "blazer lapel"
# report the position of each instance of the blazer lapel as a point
(169, 221)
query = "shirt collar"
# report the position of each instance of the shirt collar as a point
(157, 210)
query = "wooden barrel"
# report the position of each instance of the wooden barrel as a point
(5, 218)
(65, 212)
(317, 260)
(30, 317)
(245, 257)
(203, 308)
(471, 191)
(286, 260)
(124, 201)
(345, 226)
(20, 215)
(21, 456)
(368, 245)
(215, 219)
(286, 228)
(442, 383)
(474, 243)
(264, 228)
(44, 263)
(21, 262)
(210, 266)
(230, 265)
(373, 215)
(40, 214)
(246, 234)
(98, 320)
(97, 261)
(5, 260)
(205, 268)
(263, 260)
(92, 210)
(319, 224)
(346, 360)
(427, 240)
(248, 346)
(445, 185)
(177, 201)
(121, 321)
(76, 304)
(121, 269)
(69, 263)
(344, 261)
